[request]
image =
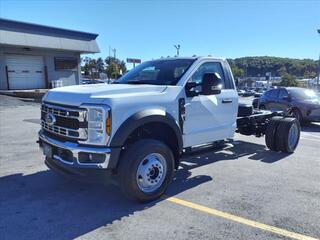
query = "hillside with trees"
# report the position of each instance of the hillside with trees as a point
(259, 66)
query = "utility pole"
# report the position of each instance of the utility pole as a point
(178, 49)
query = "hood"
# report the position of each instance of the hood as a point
(97, 93)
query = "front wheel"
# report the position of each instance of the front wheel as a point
(146, 170)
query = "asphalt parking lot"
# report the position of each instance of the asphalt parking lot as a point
(243, 191)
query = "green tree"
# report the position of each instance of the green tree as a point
(112, 70)
(288, 80)
(100, 65)
(237, 72)
(115, 67)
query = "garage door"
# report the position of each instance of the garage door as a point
(25, 72)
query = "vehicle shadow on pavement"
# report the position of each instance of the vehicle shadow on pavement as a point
(234, 151)
(44, 205)
(310, 127)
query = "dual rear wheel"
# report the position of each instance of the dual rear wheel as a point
(282, 134)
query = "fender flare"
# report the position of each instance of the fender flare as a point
(137, 120)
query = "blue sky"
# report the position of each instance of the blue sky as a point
(148, 29)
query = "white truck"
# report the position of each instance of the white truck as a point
(136, 129)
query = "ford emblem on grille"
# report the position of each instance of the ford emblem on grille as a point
(50, 119)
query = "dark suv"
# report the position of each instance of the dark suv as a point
(304, 102)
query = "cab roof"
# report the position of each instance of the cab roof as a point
(191, 58)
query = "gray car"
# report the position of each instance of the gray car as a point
(304, 102)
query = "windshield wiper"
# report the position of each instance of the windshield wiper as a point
(138, 82)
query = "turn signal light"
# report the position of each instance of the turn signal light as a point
(108, 126)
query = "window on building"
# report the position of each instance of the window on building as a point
(65, 63)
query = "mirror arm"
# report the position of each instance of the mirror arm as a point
(191, 85)
(192, 93)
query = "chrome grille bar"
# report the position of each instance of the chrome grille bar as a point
(80, 134)
(65, 113)
(79, 114)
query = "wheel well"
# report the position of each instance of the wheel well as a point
(159, 131)
(296, 108)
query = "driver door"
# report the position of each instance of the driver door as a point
(210, 118)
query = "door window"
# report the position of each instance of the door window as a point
(209, 67)
(272, 93)
(283, 93)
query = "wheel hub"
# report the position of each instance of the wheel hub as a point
(151, 172)
(293, 136)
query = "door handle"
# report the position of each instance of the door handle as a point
(227, 100)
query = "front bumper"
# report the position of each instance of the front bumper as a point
(74, 150)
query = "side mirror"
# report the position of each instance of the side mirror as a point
(211, 84)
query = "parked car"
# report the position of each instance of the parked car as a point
(257, 94)
(240, 92)
(256, 102)
(248, 93)
(304, 102)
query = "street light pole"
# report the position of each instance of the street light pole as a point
(178, 49)
(114, 52)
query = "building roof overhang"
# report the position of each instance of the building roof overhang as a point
(20, 34)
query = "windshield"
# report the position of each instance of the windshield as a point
(302, 93)
(158, 72)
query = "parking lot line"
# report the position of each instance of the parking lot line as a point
(310, 139)
(241, 220)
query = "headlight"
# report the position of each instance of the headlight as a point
(98, 118)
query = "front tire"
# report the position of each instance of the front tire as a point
(146, 170)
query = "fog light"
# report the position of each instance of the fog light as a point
(91, 157)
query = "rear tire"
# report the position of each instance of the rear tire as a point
(271, 130)
(146, 170)
(288, 135)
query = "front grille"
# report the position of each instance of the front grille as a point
(64, 121)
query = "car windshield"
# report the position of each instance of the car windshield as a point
(302, 93)
(158, 72)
